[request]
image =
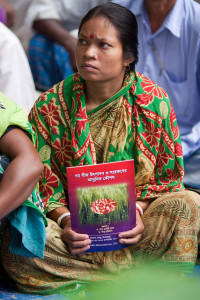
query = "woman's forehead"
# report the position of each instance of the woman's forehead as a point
(98, 27)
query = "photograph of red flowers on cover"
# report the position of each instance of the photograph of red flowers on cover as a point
(103, 204)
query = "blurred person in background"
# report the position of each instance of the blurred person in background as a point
(16, 80)
(169, 53)
(17, 11)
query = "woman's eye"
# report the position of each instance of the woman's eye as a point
(82, 42)
(104, 45)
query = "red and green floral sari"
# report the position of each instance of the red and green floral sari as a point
(138, 122)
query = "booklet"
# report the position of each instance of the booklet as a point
(102, 202)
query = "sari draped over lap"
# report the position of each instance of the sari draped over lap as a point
(137, 123)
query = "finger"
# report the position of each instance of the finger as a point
(130, 241)
(78, 244)
(132, 233)
(68, 233)
(75, 251)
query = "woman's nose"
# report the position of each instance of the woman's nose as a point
(91, 52)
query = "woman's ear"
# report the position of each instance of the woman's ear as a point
(127, 62)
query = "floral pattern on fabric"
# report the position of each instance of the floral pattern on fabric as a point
(148, 134)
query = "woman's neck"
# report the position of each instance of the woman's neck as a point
(157, 11)
(97, 93)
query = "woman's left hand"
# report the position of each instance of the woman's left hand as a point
(132, 236)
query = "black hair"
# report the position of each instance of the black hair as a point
(125, 23)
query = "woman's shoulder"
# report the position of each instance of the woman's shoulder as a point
(148, 92)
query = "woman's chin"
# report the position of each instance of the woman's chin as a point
(89, 76)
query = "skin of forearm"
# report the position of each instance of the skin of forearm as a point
(17, 184)
(54, 30)
(56, 213)
(22, 174)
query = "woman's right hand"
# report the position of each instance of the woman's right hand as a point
(77, 243)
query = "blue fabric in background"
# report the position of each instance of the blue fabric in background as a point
(49, 62)
(27, 232)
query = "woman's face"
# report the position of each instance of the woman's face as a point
(99, 53)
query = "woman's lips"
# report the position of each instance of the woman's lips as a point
(88, 66)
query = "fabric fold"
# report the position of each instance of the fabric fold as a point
(27, 232)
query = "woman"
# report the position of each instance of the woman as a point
(107, 112)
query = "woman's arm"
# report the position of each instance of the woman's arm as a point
(22, 174)
(54, 30)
